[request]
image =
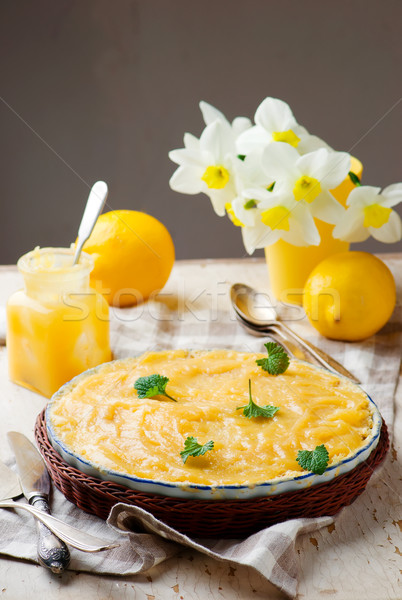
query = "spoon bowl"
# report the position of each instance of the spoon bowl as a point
(253, 306)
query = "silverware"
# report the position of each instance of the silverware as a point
(10, 487)
(255, 309)
(52, 552)
(96, 200)
(290, 347)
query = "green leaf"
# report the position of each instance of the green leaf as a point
(193, 448)
(271, 187)
(250, 204)
(277, 361)
(314, 460)
(152, 385)
(241, 156)
(354, 178)
(251, 409)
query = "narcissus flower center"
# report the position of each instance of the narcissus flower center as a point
(276, 218)
(232, 215)
(307, 188)
(216, 177)
(289, 137)
(376, 215)
(250, 204)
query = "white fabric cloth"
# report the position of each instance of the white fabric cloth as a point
(145, 541)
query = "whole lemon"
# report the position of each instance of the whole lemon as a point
(133, 254)
(349, 296)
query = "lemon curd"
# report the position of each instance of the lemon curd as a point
(100, 418)
(57, 326)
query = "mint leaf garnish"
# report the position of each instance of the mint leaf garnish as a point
(193, 448)
(152, 385)
(314, 460)
(277, 361)
(252, 409)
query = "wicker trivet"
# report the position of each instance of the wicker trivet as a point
(210, 518)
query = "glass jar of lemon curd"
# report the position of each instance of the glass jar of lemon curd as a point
(57, 326)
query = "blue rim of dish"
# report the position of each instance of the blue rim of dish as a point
(184, 486)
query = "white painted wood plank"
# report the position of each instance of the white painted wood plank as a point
(361, 557)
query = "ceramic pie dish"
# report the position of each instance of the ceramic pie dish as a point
(98, 425)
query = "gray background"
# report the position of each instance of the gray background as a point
(110, 87)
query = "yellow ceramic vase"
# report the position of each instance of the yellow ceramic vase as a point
(289, 266)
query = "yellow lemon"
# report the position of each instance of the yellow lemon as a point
(349, 296)
(133, 254)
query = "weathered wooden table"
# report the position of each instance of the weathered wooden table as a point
(358, 557)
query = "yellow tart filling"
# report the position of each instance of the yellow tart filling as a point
(100, 418)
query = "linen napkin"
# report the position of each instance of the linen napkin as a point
(145, 541)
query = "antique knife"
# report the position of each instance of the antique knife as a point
(35, 484)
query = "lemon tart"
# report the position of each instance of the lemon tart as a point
(99, 424)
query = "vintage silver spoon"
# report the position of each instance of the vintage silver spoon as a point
(10, 488)
(255, 309)
(292, 349)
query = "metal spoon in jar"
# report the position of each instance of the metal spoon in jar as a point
(95, 203)
(255, 309)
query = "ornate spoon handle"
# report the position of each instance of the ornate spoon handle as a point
(322, 357)
(52, 552)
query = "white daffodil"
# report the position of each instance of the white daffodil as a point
(275, 122)
(370, 212)
(286, 209)
(248, 174)
(206, 165)
(272, 216)
(308, 179)
(211, 114)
